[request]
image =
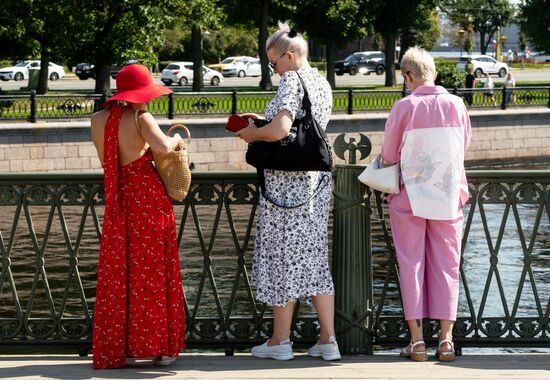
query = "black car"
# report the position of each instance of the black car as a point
(116, 69)
(361, 62)
(85, 71)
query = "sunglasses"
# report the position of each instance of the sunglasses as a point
(273, 65)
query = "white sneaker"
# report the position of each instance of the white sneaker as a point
(327, 351)
(165, 360)
(282, 351)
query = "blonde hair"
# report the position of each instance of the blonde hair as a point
(419, 62)
(280, 42)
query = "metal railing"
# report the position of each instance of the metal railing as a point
(188, 104)
(49, 243)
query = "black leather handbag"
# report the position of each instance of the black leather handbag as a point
(306, 148)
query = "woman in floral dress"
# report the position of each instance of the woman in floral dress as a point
(291, 248)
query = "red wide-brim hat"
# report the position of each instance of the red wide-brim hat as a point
(134, 84)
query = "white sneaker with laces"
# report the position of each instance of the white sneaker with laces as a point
(327, 351)
(282, 351)
(165, 360)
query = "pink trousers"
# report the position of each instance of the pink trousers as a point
(428, 254)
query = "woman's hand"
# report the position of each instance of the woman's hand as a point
(249, 133)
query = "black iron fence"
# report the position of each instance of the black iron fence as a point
(188, 104)
(49, 243)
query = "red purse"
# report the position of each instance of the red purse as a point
(235, 123)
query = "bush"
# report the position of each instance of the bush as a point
(449, 76)
(321, 66)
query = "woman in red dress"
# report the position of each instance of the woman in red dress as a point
(139, 309)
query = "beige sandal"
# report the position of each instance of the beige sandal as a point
(410, 353)
(445, 356)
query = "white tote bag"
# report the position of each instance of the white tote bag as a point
(384, 179)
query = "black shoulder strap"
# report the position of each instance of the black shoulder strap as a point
(306, 103)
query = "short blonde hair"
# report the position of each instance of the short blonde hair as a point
(280, 42)
(419, 62)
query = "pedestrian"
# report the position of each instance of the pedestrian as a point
(488, 87)
(469, 84)
(509, 84)
(139, 308)
(510, 58)
(427, 134)
(291, 247)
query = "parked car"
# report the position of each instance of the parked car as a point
(182, 74)
(227, 62)
(254, 68)
(85, 71)
(482, 64)
(364, 62)
(116, 69)
(237, 68)
(21, 70)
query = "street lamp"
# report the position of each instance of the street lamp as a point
(461, 33)
(205, 34)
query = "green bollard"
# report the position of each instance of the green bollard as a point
(351, 262)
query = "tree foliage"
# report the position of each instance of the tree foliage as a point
(333, 23)
(486, 16)
(535, 23)
(391, 18)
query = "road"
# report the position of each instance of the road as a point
(70, 82)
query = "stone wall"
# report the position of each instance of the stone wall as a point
(509, 135)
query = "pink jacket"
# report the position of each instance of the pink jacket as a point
(428, 107)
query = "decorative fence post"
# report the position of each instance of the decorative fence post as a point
(234, 102)
(171, 105)
(350, 102)
(504, 94)
(351, 254)
(32, 117)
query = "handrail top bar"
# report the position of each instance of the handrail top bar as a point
(92, 176)
(230, 175)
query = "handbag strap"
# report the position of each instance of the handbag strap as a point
(320, 186)
(306, 102)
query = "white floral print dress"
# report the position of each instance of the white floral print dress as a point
(291, 248)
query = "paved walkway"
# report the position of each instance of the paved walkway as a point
(242, 366)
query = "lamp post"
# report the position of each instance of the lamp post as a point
(205, 34)
(461, 33)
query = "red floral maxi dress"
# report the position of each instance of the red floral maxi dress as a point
(139, 309)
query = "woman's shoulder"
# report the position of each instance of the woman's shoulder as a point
(99, 118)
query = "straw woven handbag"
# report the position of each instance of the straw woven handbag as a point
(173, 168)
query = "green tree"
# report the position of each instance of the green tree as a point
(392, 18)
(332, 22)
(535, 23)
(200, 16)
(257, 16)
(110, 32)
(486, 16)
(424, 33)
(35, 25)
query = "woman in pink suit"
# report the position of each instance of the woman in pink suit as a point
(427, 133)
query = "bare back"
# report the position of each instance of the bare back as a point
(132, 142)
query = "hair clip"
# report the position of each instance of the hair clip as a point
(293, 33)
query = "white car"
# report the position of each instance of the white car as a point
(254, 69)
(21, 71)
(182, 74)
(482, 64)
(237, 67)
